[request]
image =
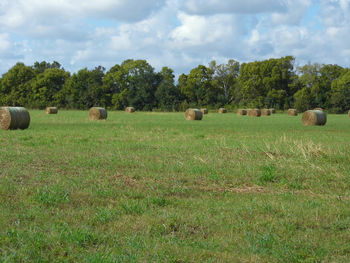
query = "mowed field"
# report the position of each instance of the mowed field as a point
(153, 187)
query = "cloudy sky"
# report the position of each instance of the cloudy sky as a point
(180, 34)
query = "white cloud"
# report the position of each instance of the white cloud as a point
(335, 13)
(4, 42)
(209, 7)
(199, 30)
(65, 19)
(296, 9)
(176, 33)
(20, 11)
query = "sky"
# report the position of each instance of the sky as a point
(180, 34)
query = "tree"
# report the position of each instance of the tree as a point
(16, 87)
(329, 73)
(226, 76)
(199, 87)
(310, 80)
(46, 87)
(40, 67)
(303, 99)
(251, 85)
(267, 83)
(318, 79)
(133, 83)
(85, 88)
(340, 93)
(112, 87)
(167, 95)
(141, 82)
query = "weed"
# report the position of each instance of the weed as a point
(268, 174)
(51, 196)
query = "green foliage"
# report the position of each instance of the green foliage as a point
(267, 83)
(47, 88)
(199, 86)
(15, 86)
(268, 174)
(329, 74)
(226, 76)
(136, 81)
(40, 67)
(272, 83)
(303, 99)
(315, 86)
(340, 93)
(167, 95)
(120, 100)
(85, 88)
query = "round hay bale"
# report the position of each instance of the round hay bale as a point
(314, 117)
(204, 110)
(318, 109)
(241, 112)
(292, 112)
(97, 113)
(265, 112)
(193, 114)
(272, 110)
(51, 110)
(349, 113)
(254, 113)
(12, 118)
(222, 110)
(129, 109)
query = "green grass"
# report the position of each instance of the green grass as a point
(153, 187)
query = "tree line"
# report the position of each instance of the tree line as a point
(273, 83)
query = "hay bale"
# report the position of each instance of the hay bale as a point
(241, 112)
(51, 110)
(265, 112)
(318, 109)
(193, 114)
(314, 117)
(12, 118)
(254, 113)
(349, 113)
(222, 110)
(129, 109)
(204, 110)
(272, 110)
(97, 113)
(292, 112)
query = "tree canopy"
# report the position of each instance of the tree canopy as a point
(274, 82)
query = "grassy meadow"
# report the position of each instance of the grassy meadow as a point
(153, 187)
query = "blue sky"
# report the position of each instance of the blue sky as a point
(175, 33)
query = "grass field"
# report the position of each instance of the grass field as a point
(153, 187)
